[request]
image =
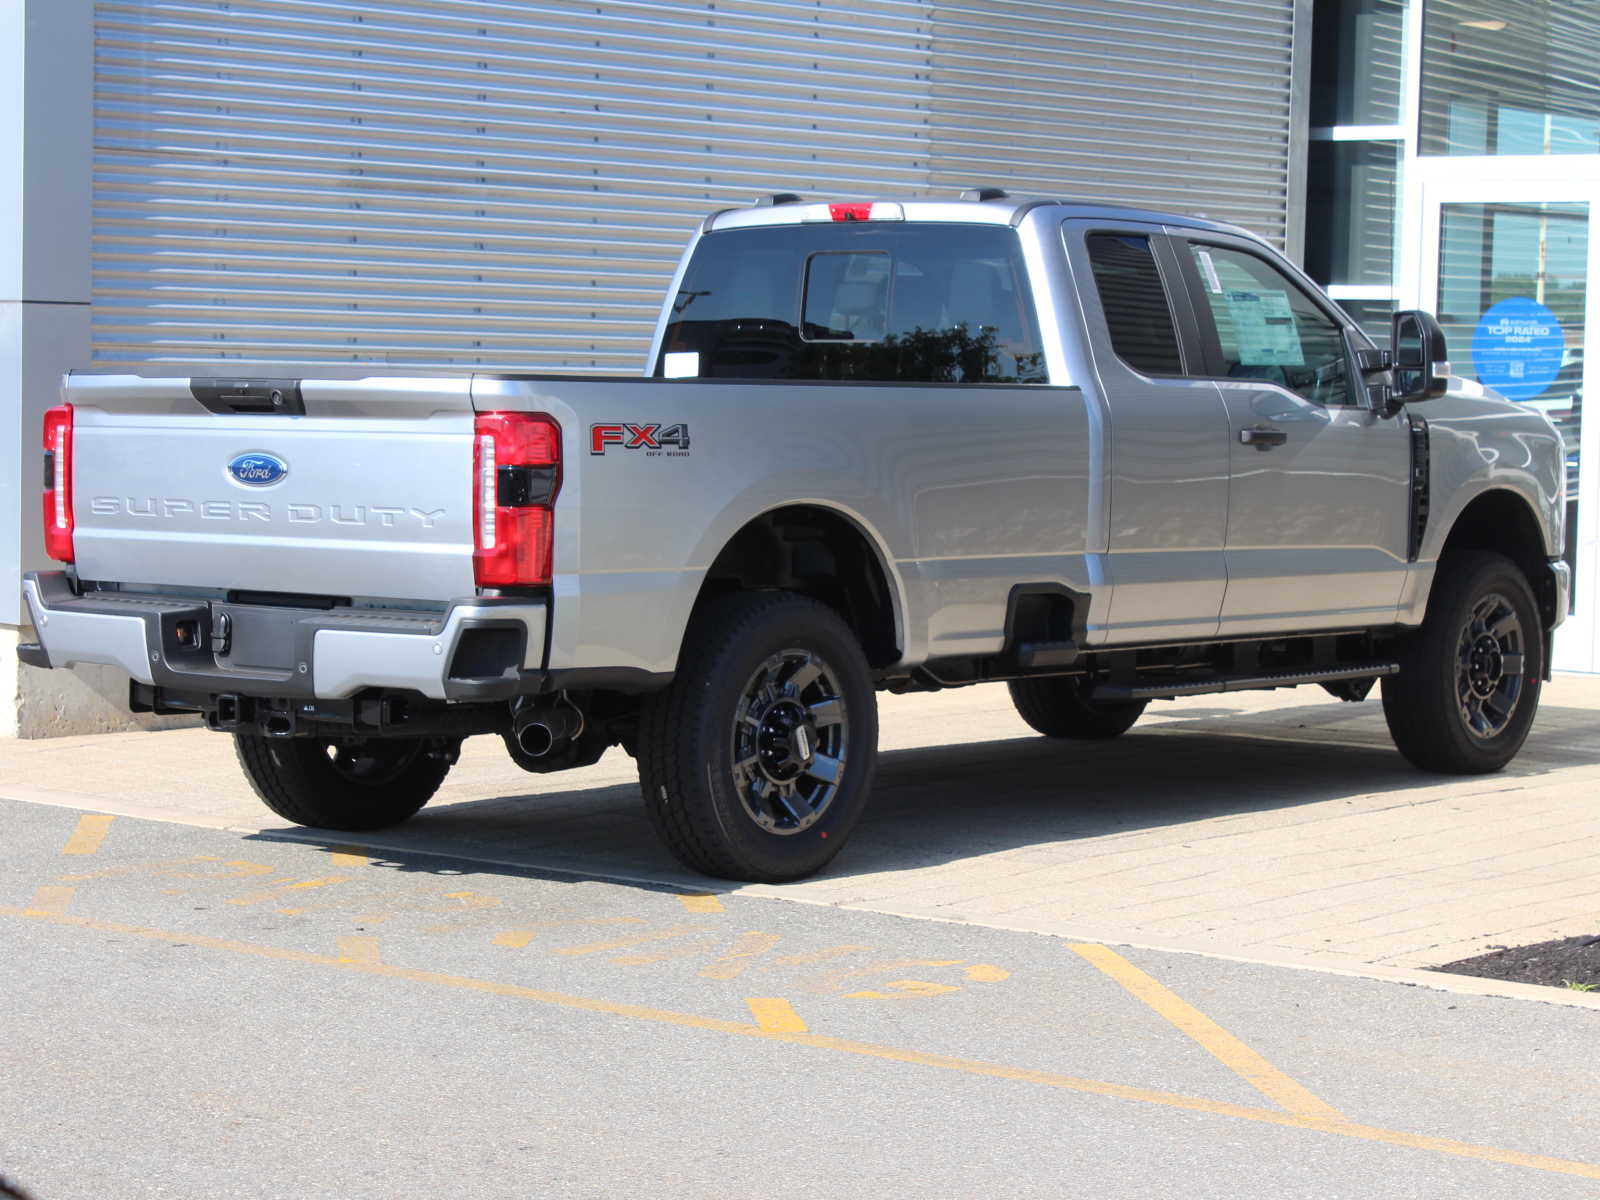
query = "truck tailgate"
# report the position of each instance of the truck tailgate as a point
(367, 494)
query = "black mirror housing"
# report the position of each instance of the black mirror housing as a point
(1421, 361)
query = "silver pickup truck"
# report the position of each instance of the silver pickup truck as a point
(1103, 455)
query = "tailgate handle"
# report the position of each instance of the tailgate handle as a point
(263, 397)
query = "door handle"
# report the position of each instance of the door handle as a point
(1263, 438)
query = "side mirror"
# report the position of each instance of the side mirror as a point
(1421, 362)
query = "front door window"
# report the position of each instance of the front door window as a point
(1270, 330)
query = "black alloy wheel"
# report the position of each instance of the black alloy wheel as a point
(791, 736)
(1491, 656)
(1470, 678)
(756, 762)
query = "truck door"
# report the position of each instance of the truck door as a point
(1165, 433)
(1318, 517)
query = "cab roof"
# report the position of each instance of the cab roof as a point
(975, 206)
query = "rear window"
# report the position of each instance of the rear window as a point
(882, 302)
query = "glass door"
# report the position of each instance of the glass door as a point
(1507, 268)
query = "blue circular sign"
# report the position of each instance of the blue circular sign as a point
(1517, 348)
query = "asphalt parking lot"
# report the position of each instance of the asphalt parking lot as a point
(518, 994)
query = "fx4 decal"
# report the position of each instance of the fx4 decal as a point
(671, 440)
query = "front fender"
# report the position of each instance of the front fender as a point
(1481, 443)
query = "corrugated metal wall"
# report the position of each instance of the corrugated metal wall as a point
(506, 185)
(1184, 107)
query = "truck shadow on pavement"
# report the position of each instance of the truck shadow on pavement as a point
(937, 805)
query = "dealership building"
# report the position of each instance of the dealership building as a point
(287, 186)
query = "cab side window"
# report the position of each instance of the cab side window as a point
(1269, 329)
(1135, 302)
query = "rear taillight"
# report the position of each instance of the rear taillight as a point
(516, 471)
(58, 483)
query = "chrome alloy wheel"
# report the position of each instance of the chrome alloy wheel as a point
(1491, 655)
(790, 737)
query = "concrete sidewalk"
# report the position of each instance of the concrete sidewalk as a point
(1274, 826)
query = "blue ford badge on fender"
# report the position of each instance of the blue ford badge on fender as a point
(257, 469)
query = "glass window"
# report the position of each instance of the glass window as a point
(1352, 189)
(1269, 329)
(907, 302)
(1135, 303)
(847, 297)
(1513, 293)
(1357, 49)
(1373, 317)
(1511, 77)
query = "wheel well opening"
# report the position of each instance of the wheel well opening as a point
(816, 553)
(1502, 522)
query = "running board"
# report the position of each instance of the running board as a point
(1238, 683)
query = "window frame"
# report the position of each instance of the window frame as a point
(1183, 245)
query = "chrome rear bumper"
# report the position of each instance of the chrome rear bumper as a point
(483, 648)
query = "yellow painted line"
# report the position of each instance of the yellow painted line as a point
(86, 838)
(627, 943)
(904, 988)
(823, 955)
(357, 950)
(273, 893)
(774, 1014)
(986, 973)
(1227, 1049)
(701, 903)
(49, 902)
(515, 938)
(349, 856)
(741, 1029)
(732, 964)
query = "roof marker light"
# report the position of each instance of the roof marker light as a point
(870, 210)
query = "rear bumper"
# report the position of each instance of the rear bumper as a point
(484, 648)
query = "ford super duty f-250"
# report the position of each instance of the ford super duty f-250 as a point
(1103, 455)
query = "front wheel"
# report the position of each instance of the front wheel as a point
(755, 764)
(1469, 681)
(349, 784)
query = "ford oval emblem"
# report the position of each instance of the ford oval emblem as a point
(257, 469)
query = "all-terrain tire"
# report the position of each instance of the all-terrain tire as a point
(1452, 708)
(1056, 706)
(725, 816)
(350, 784)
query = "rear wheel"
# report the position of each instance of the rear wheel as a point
(1057, 707)
(349, 784)
(1469, 681)
(756, 762)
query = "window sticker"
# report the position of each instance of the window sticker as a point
(1265, 329)
(1209, 269)
(681, 364)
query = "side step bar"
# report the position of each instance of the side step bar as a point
(1155, 690)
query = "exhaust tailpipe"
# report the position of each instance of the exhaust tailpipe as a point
(541, 731)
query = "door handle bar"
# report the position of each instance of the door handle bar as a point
(1263, 438)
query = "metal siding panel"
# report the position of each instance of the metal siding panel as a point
(455, 183)
(494, 185)
(1164, 105)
